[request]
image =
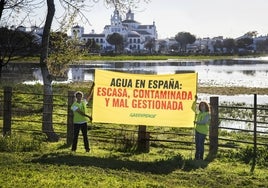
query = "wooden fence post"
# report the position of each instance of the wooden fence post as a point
(143, 139)
(70, 126)
(7, 111)
(255, 135)
(214, 127)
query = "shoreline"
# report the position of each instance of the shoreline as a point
(232, 90)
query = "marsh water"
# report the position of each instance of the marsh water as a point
(237, 72)
(245, 72)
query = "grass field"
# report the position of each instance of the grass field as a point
(27, 160)
(53, 165)
(137, 57)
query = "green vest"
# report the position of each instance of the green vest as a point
(202, 128)
(78, 118)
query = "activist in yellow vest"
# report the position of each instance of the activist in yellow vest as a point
(201, 130)
(202, 122)
(79, 118)
(80, 121)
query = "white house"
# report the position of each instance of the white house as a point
(135, 34)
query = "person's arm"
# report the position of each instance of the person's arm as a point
(76, 109)
(83, 114)
(194, 105)
(91, 91)
(90, 95)
(194, 108)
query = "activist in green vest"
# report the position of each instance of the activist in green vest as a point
(80, 119)
(202, 122)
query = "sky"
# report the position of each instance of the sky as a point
(202, 18)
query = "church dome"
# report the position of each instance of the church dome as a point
(133, 34)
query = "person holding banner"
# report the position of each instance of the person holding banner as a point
(201, 129)
(80, 120)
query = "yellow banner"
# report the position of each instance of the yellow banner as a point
(158, 100)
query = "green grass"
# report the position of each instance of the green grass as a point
(154, 57)
(55, 166)
(27, 160)
(139, 57)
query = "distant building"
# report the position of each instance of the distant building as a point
(135, 34)
(37, 32)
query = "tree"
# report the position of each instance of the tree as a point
(251, 34)
(150, 44)
(262, 46)
(14, 5)
(218, 46)
(91, 46)
(184, 38)
(15, 44)
(244, 42)
(13, 41)
(62, 52)
(117, 40)
(229, 44)
(162, 46)
(174, 47)
(47, 126)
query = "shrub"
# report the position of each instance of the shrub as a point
(19, 143)
(246, 155)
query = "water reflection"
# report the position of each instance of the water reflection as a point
(237, 72)
(249, 72)
(210, 73)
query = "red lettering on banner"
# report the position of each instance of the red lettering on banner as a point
(107, 101)
(163, 94)
(111, 92)
(122, 103)
(157, 104)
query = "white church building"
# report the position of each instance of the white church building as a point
(135, 34)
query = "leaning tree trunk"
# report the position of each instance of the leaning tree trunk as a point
(2, 5)
(47, 125)
(1, 69)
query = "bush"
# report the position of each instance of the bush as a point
(19, 143)
(246, 155)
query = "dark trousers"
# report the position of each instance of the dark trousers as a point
(199, 145)
(83, 128)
